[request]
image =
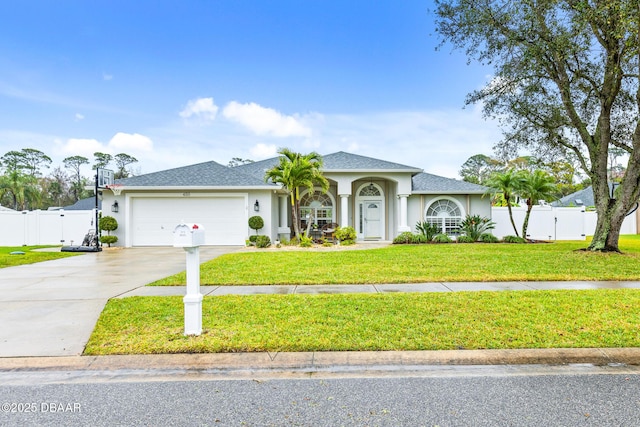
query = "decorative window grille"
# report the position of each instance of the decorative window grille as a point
(446, 215)
(317, 205)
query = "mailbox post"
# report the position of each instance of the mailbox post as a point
(189, 237)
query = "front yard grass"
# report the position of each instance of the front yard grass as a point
(421, 263)
(427, 321)
(30, 256)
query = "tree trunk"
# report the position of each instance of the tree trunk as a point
(605, 238)
(295, 222)
(611, 214)
(525, 223)
(513, 223)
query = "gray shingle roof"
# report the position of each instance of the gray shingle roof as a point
(585, 196)
(582, 197)
(257, 169)
(426, 183)
(334, 162)
(84, 204)
(212, 174)
(346, 161)
(208, 174)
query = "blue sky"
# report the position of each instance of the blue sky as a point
(179, 82)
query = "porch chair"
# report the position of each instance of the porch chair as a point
(329, 231)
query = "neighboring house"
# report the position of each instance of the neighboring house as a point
(582, 197)
(380, 199)
(86, 204)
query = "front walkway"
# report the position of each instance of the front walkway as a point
(381, 288)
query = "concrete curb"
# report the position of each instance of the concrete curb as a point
(324, 361)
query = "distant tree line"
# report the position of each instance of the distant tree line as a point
(25, 186)
(480, 169)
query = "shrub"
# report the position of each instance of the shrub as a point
(403, 238)
(326, 243)
(108, 223)
(465, 239)
(108, 239)
(346, 235)
(418, 238)
(253, 239)
(427, 230)
(263, 242)
(513, 239)
(256, 223)
(488, 238)
(474, 225)
(442, 238)
(306, 242)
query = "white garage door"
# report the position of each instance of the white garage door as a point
(153, 219)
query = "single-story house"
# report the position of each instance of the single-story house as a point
(580, 198)
(380, 199)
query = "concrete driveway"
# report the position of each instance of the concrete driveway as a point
(50, 308)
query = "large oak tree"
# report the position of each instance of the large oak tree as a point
(566, 78)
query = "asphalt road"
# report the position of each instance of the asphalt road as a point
(581, 395)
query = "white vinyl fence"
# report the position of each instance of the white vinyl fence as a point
(45, 227)
(551, 223)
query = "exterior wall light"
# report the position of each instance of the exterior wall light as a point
(115, 207)
(256, 206)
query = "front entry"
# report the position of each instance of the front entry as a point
(370, 210)
(372, 216)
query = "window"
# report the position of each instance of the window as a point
(446, 215)
(370, 191)
(319, 206)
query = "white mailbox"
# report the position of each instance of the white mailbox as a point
(187, 235)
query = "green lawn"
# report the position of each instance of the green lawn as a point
(30, 256)
(428, 321)
(410, 321)
(422, 263)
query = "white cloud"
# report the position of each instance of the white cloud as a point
(203, 108)
(107, 77)
(265, 121)
(438, 141)
(127, 142)
(79, 117)
(120, 143)
(263, 151)
(82, 147)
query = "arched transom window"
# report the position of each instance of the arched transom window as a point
(317, 205)
(370, 191)
(446, 215)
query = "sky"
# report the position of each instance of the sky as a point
(175, 83)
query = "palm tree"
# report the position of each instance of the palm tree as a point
(537, 185)
(506, 183)
(23, 189)
(295, 171)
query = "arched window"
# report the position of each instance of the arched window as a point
(370, 191)
(445, 214)
(319, 206)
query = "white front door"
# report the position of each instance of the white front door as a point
(372, 219)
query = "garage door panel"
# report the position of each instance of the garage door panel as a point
(223, 218)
